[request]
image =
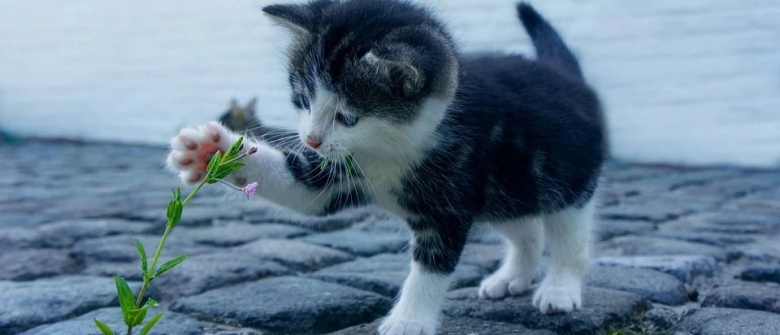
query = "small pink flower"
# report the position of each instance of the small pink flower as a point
(250, 190)
(252, 150)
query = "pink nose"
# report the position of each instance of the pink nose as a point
(313, 142)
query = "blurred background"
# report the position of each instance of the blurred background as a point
(694, 82)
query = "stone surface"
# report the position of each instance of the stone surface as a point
(659, 246)
(761, 274)
(384, 274)
(457, 326)
(64, 233)
(201, 273)
(76, 213)
(360, 243)
(29, 304)
(170, 323)
(608, 229)
(682, 267)
(122, 248)
(745, 295)
(662, 317)
(294, 254)
(16, 237)
(286, 305)
(655, 286)
(603, 309)
(36, 263)
(236, 234)
(727, 321)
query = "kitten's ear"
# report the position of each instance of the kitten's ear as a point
(234, 104)
(250, 106)
(396, 62)
(297, 18)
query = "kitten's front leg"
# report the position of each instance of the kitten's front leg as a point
(435, 253)
(277, 175)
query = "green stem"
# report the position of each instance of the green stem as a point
(157, 253)
(234, 159)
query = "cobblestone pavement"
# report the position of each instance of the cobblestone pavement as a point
(680, 251)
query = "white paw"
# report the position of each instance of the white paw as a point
(559, 297)
(192, 149)
(397, 326)
(499, 285)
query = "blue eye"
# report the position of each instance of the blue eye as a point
(305, 103)
(347, 120)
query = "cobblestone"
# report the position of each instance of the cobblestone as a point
(603, 309)
(699, 244)
(727, 321)
(745, 295)
(653, 285)
(293, 305)
(32, 303)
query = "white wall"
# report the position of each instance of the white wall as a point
(695, 81)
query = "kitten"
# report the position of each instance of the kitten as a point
(440, 139)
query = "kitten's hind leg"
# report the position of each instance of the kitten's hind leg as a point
(524, 249)
(568, 236)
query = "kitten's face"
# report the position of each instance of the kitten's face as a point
(367, 87)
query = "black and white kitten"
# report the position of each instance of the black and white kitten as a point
(440, 139)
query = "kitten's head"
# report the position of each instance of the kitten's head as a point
(240, 118)
(368, 77)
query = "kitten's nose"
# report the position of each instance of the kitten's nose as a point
(313, 141)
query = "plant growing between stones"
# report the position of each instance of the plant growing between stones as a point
(134, 313)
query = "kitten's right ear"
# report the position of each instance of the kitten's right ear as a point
(250, 106)
(396, 63)
(297, 18)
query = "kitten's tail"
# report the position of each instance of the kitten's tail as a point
(549, 45)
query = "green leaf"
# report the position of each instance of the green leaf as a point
(150, 303)
(233, 152)
(148, 327)
(138, 316)
(214, 163)
(142, 252)
(324, 164)
(226, 169)
(103, 328)
(178, 194)
(178, 208)
(169, 265)
(125, 298)
(171, 210)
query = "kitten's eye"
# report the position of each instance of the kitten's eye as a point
(347, 120)
(305, 103)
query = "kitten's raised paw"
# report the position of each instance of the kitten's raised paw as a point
(499, 285)
(395, 326)
(558, 298)
(192, 149)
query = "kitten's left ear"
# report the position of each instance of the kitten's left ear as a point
(396, 62)
(298, 18)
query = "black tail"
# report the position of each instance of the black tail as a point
(549, 45)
